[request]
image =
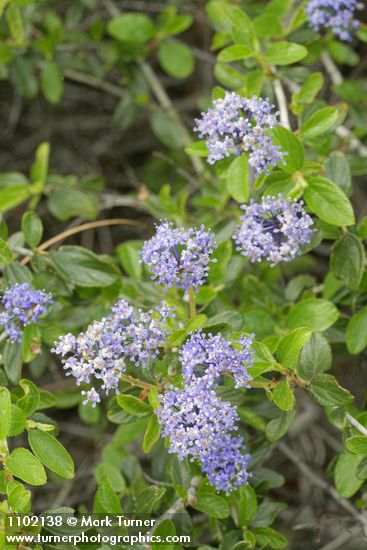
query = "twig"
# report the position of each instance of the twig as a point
(79, 229)
(342, 538)
(165, 102)
(138, 383)
(332, 70)
(110, 200)
(356, 424)
(316, 480)
(94, 82)
(282, 103)
(161, 96)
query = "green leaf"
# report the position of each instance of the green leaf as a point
(338, 171)
(83, 268)
(283, 396)
(39, 168)
(238, 179)
(295, 154)
(290, 346)
(114, 475)
(176, 58)
(23, 78)
(357, 444)
(235, 53)
(247, 504)
(278, 427)
(197, 149)
(267, 25)
(347, 260)
(18, 497)
(315, 358)
(268, 537)
(5, 413)
(310, 88)
(345, 474)
(171, 23)
(15, 23)
(106, 501)
(128, 254)
(133, 405)
(51, 82)
(6, 254)
(152, 433)
(326, 391)
(164, 529)
(131, 27)
(18, 419)
(51, 453)
(149, 498)
(180, 472)
(314, 313)
(328, 202)
(67, 202)
(356, 334)
(13, 361)
(13, 195)
(212, 505)
(32, 228)
(26, 466)
(168, 130)
(266, 513)
(31, 398)
(320, 122)
(285, 53)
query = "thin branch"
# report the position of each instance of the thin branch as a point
(332, 70)
(93, 82)
(165, 102)
(356, 424)
(344, 537)
(282, 103)
(138, 383)
(320, 482)
(91, 225)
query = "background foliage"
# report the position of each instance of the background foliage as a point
(98, 101)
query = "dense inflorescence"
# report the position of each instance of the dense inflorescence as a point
(336, 15)
(273, 230)
(22, 306)
(237, 125)
(103, 350)
(178, 257)
(207, 357)
(200, 425)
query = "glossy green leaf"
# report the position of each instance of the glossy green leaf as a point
(32, 228)
(328, 201)
(326, 391)
(24, 465)
(51, 453)
(238, 179)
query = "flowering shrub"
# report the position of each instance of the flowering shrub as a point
(192, 350)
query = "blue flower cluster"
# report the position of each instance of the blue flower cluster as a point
(336, 15)
(207, 357)
(179, 257)
(197, 422)
(22, 306)
(237, 125)
(103, 350)
(273, 230)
